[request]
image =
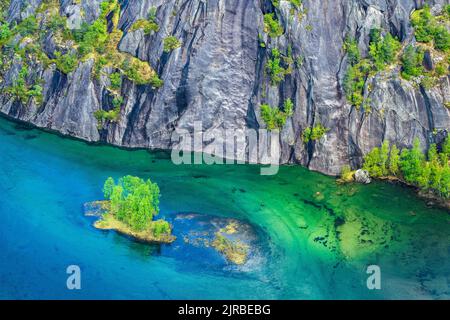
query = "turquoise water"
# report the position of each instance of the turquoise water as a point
(315, 237)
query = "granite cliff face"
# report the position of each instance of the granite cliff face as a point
(218, 76)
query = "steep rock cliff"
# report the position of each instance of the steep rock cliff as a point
(218, 76)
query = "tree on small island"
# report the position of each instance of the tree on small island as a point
(131, 205)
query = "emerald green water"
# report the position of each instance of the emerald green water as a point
(316, 237)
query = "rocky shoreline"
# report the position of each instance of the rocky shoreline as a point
(107, 221)
(432, 199)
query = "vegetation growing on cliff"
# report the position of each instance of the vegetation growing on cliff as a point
(171, 43)
(133, 203)
(314, 133)
(97, 41)
(116, 80)
(275, 69)
(432, 34)
(274, 118)
(111, 115)
(272, 26)
(383, 51)
(412, 62)
(66, 63)
(429, 28)
(430, 172)
(22, 91)
(148, 25)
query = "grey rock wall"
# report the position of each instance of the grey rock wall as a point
(218, 77)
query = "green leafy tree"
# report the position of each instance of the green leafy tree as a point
(288, 107)
(428, 28)
(429, 173)
(274, 68)
(411, 163)
(270, 116)
(383, 50)
(355, 80)
(274, 118)
(22, 91)
(108, 188)
(116, 80)
(160, 227)
(372, 163)
(352, 49)
(394, 160)
(441, 38)
(384, 158)
(272, 26)
(436, 168)
(171, 43)
(5, 31)
(133, 201)
(66, 63)
(92, 37)
(423, 23)
(28, 26)
(412, 60)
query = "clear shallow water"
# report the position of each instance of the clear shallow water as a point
(314, 245)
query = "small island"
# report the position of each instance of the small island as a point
(129, 208)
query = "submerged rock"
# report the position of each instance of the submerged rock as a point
(95, 208)
(233, 239)
(362, 176)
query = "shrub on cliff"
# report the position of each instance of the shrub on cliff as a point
(274, 118)
(116, 80)
(352, 50)
(5, 31)
(383, 50)
(314, 133)
(22, 91)
(441, 38)
(171, 43)
(272, 26)
(66, 63)
(28, 26)
(412, 60)
(428, 28)
(274, 68)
